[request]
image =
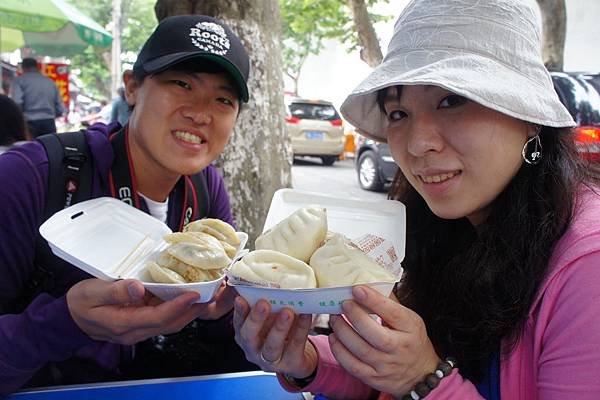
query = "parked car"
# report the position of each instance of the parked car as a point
(578, 91)
(315, 128)
(374, 164)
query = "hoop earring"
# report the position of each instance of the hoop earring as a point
(532, 157)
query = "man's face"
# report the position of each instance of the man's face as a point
(181, 120)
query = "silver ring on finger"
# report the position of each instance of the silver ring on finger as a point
(262, 357)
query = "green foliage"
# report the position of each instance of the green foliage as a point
(307, 24)
(93, 65)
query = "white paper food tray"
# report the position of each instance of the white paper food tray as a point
(353, 218)
(111, 240)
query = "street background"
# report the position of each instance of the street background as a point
(340, 179)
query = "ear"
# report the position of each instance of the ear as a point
(533, 130)
(131, 86)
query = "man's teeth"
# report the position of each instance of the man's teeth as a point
(438, 178)
(188, 137)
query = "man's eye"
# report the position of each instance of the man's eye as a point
(396, 115)
(183, 84)
(452, 100)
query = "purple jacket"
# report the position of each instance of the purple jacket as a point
(558, 354)
(45, 332)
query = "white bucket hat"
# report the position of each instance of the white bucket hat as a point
(488, 51)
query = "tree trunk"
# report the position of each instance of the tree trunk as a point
(370, 51)
(115, 63)
(554, 23)
(258, 159)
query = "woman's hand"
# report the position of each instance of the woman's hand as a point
(392, 357)
(275, 342)
(123, 312)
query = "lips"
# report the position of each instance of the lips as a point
(438, 177)
(189, 137)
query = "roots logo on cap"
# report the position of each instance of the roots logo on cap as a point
(210, 37)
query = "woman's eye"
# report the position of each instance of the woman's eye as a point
(225, 101)
(183, 84)
(452, 100)
(396, 115)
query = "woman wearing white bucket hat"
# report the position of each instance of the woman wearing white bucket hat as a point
(501, 286)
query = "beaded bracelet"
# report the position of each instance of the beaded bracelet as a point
(301, 382)
(432, 380)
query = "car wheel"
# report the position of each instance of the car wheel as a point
(328, 160)
(368, 172)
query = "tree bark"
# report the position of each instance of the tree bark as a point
(258, 159)
(115, 63)
(554, 25)
(370, 51)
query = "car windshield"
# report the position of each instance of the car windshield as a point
(323, 112)
(580, 94)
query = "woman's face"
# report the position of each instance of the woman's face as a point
(458, 154)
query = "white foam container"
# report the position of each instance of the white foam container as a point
(353, 218)
(111, 240)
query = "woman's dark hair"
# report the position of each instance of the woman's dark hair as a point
(475, 288)
(13, 127)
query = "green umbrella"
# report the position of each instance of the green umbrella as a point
(49, 27)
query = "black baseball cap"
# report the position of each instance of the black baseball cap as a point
(183, 37)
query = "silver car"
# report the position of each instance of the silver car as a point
(315, 128)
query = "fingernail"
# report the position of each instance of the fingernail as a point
(262, 310)
(284, 316)
(237, 303)
(347, 305)
(133, 291)
(360, 293)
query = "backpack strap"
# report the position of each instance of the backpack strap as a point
(200, 183)
(69, 170)
(69, 181)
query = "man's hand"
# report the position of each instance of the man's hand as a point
(123, 312)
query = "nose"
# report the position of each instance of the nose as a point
(424, 136)
(198, 111)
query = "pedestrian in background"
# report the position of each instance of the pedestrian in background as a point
(38, 97)
(120, 108)
(13, 129)
(499, 297)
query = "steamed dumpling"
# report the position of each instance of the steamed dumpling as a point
(214, 227)
(198, 255)
(163, 275)
(339, 263)
(188, 272)
(298, 236)
(273, 267)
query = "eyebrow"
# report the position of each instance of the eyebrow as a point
(225, 87)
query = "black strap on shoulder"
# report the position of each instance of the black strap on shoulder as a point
(203, 197)
(69, 171)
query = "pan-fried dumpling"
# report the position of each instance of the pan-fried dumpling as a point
(188, 272)
(163, 275)
(201, 238)
(229, 249)
(339, 263)
(299, 235)
(214, 227)
(269, 266)
(199, 256)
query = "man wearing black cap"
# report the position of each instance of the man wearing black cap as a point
(186, 89)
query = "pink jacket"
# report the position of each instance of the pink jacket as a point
(558, 354)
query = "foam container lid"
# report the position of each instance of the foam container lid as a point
(111, 240)
(351, 217)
